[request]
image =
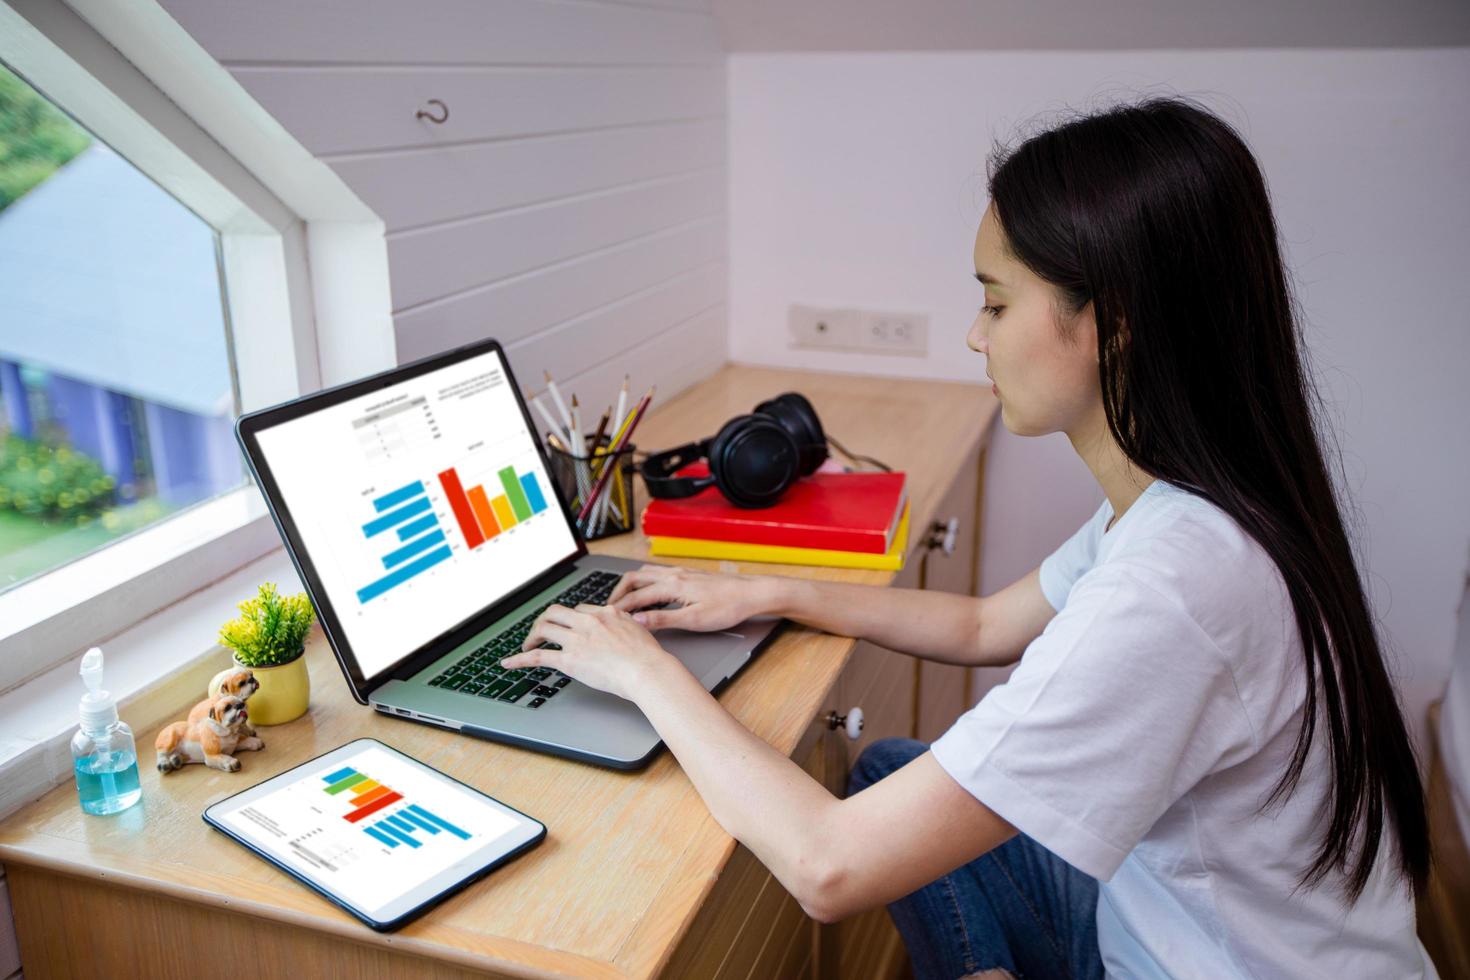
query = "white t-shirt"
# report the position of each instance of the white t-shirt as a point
(1138, 738)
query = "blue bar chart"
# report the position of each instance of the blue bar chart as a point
(399, 829)
(422, 544)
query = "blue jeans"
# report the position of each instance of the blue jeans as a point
(1018, 908)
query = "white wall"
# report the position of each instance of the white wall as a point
(858, 180)
(572, 205)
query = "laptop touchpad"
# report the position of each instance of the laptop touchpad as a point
(700, 652)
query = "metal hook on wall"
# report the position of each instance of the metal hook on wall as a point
(425, 114)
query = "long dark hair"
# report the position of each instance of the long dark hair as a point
(1158, 214)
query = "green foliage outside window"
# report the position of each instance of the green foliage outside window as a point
(36, 138)
(40, 480)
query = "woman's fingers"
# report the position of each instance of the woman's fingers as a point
(637, 578)
(530, 658)
(657, 619)
(556, 618)
(542, 633)
(663, 590)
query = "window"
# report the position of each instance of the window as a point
(117, 393)
(142, 417)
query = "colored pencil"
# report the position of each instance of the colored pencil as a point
(625, 433)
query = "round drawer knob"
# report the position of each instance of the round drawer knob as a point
(852, 722)
(943, 534)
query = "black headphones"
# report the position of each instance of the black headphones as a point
(752, 459)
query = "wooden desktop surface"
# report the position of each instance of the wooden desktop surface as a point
(629, 856)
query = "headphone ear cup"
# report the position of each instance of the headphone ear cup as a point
(797, 416)
(753, 460)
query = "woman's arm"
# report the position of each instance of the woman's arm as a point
(837, 857)
(941, 626)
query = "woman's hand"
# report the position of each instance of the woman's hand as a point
(600, 646)
(707, 601)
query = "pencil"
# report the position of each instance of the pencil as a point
(622, 403)
(624, 434)
(597, 442)
(561, 406)
(545, 414)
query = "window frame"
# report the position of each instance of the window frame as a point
(304, 264)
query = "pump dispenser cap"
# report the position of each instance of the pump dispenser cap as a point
(99, 710)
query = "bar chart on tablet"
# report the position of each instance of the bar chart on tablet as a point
(370, 825)
(368, 796)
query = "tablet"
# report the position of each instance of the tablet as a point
(379, 833)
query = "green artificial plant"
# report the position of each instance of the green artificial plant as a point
(271, 628)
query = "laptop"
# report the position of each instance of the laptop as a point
(418, 508)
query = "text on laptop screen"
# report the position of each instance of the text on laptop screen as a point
(419, 504)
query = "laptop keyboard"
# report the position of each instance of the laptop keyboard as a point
(479, 674)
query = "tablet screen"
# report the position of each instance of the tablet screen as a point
(374, 828)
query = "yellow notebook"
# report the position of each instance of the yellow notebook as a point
(777, 554)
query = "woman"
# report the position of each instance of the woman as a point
(1198, 768)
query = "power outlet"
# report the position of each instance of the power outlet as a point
(822, 327)
(896, 333)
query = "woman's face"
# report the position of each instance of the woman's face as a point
(1044, 370)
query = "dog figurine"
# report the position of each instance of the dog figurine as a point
(232, 680)
(212, 740)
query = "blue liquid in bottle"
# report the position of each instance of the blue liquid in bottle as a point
(107, 782)
(104, 756)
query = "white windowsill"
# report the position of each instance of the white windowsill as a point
(151, 668)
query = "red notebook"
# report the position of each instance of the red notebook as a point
(840, 511)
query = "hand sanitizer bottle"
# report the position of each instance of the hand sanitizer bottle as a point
(102, 751)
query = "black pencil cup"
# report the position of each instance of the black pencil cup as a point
(576, 476)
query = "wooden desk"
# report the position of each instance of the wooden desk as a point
(635, 878)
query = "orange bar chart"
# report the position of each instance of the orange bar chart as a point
(481, 506)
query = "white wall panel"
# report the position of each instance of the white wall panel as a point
(478, 32)
(520, 306)
(573, 203)
(350, 110)
(460, 181)
(442, 259)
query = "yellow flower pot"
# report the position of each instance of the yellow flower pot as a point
(284, 692)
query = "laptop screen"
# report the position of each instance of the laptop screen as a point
(419, 503)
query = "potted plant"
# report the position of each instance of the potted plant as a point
(269, 638)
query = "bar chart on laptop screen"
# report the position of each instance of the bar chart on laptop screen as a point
(419, 504)
(419, 539)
